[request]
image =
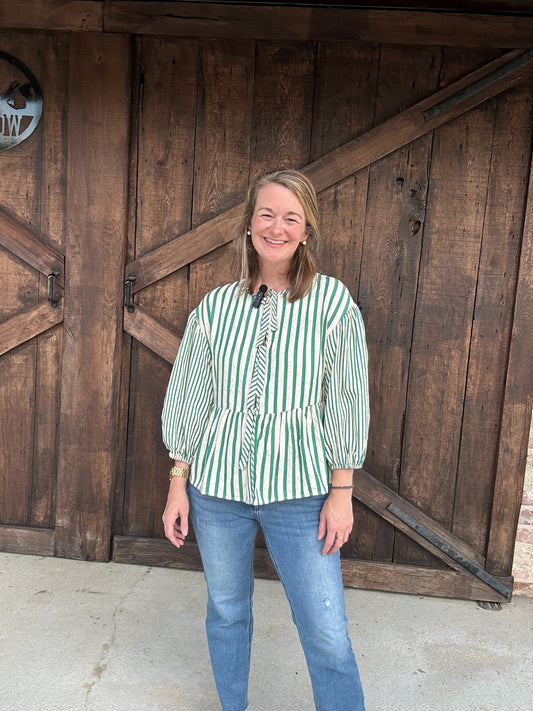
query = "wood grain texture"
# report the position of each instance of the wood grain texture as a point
(222, 154)
(46, 433)
(27, 541)
(145, 329)
(96, 212)
(20, 204)
(516, 415)
(329, 169)
(22, 242)
(389, 277)
(355, 573)
(282, 105)
(274, 141)
(318, 23)
(131, 226)
(184, 249)
(28, 324)
(415, 122)
(61, 15)
(378, 497)
(164, 178)
(17, 396)
(457, 194)
(503, 226)
(216, 20)
(53, 78)
(424, 581)
(344, 106)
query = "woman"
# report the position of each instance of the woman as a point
(266, 416)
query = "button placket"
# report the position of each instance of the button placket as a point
(257, 385)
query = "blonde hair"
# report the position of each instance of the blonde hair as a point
(302, 270)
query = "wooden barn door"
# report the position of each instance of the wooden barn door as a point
(32, 257)
(416, 227)
(63, 195)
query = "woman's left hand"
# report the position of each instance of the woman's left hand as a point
(336, 520)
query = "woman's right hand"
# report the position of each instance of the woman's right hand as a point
(176, 514)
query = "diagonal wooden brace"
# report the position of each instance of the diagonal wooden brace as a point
(424, 530)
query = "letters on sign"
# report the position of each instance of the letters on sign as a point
(21, 102)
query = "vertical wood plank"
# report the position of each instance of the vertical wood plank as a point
(389, 278)
(444, 312)
(16, 422)
(516, 415)
(54, 83)
(62, 15)
(344, 106)
(283, 105)
(96, 218)
(222, 151)
(20, 291)
(496, 288)
(127, 355)
(168, 87)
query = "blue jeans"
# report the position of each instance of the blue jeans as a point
(225, 531)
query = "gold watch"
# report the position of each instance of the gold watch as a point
(179, 471)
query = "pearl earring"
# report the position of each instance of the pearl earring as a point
(248, 233)
(304, 242)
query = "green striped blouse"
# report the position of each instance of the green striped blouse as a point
(264, 402)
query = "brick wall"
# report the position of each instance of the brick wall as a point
(523, 557)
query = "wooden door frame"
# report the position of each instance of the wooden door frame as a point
(468, 576)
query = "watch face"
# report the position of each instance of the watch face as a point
(21, 102)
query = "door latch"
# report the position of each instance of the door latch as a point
(51, 279)
(128, 303)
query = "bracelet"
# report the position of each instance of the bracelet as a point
(178, 471)
(341, 487)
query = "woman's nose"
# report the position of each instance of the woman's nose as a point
(277, 226)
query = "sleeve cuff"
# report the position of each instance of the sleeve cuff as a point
(179, 457)
(351, 464)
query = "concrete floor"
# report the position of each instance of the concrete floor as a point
(78, 636)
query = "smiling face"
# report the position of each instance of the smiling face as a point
(278, 226)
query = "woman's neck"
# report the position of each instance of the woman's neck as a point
(274, 280)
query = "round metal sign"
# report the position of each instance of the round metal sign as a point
(21, 102)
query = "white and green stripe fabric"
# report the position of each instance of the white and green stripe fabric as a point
(264, 402)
